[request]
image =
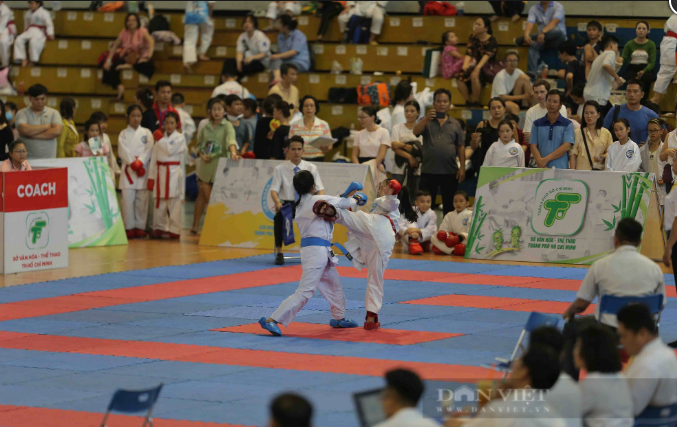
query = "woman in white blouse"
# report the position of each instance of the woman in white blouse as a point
(373, 141)
(310, 127)
(401, 135)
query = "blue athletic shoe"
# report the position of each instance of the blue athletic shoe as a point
(270, 327)
(343, 323)
(352, 187)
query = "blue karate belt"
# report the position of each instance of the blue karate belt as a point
(345, 252)
(314, 241)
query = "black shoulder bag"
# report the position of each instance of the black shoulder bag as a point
(587, 150)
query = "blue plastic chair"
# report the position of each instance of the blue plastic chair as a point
(535, 321)
(610, 304)
(130, 402)
(658, 416)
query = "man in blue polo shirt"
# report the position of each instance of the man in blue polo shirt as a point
(634, 112)
(552, 136)
(548, 16)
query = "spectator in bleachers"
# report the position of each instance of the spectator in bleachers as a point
(278, 9)
(605, 393)
(215, 140)
(668, 67)
(552, 136)
(234, 109)
(591, 138)
(179, 103)
(39, 126)
(639, 55)
(69, 137)
(574, 71)
(510, 9)
(280, 136)
(400, 400)
(163, 103)
(637, 114)
(249, 116)
(603, 75)
(17, 158)
(541, 89)
(625, 272)
(310, 127)
(145, 98)
(253, 50)
(229, 84)
(401, 138)
(373, 141)
(452, 60)
(594, 46)
(651, 155)
(373, 10)
(443, 141)
(285, 86)
(548, 17)
(198, 21)
(10, 113)
(292, 48)
(576, 96)
(569, 107)
(290, 410)
(7, 33)
(486, 134)
(38, 28)
(6, 134)
(652, 375)
(481, 51)
(512, 85)
(262, 142)
(402, 94)
(137, 52)
(328, 11)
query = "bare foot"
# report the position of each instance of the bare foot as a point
(24, 63)
(188, 68)
(204, 57)
(516, 18)
(493, 18)
(124, 67)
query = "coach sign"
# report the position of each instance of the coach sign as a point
(34, 220)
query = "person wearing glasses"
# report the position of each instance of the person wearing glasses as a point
(512, 85)
(17, 158)
(634, 112)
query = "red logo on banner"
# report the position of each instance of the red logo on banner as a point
(36, 189)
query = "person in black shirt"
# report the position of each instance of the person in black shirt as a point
(575, 71)
(281, 113)
(6, 134)
(145, 98)
(262, 144)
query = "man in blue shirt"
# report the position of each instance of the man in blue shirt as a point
(552, 136)
(548, 16)
(634, 112)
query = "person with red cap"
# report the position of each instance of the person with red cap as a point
(453, 232)
(371, 239)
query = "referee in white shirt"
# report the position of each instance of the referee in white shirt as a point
(652, 374)
(282, 188)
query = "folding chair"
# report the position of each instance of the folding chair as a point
(129, 401)
(535, 321)
(658, 416)
(610, 304)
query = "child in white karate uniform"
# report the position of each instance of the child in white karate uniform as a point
(372, 238)
(7, 32)
(38, 29)
(416, 235)
(317, 261)
(505, 152)
(164, 179)
(454, 228)
(623, 155)
(135, 147)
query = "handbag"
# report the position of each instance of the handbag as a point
(587, 150)
(490, 69)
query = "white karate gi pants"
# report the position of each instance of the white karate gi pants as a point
(6, 40)
(135, 208)
(668, 66)
(376, 13)
(441, 245)
(273, 11)
(35, 38)
(167, 217)
(190, 34)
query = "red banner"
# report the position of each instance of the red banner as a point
(36, 189)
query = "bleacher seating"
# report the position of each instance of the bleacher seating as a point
(68, 64)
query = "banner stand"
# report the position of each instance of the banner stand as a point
(654, 239)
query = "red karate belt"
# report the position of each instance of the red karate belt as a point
(157, 182)
(392, 224)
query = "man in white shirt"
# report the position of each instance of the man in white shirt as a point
(541, 88)
(625, 272)
(652, 374)
(401, 395)
(603, 75)
(512, 85)
(229, 85)
(282, 188)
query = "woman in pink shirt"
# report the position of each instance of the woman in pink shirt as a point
(17, 158)
(93, 143)
(132, 49)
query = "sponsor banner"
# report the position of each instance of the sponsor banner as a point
(94, 217)
(241, 210)
(559, 216)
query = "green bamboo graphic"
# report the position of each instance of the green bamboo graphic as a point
(474, 226)
(638, 200)
(101, 194)
(623, 202)
(105, 207)
(633, 194)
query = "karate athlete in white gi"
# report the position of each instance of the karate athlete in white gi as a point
(38, 28)
(317, 260)
(7, 33)
(164, 179)
(371, 239)
(135, 147)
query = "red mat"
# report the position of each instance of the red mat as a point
(500, 303)
(237, 357)
(22, 416)
(324, 332)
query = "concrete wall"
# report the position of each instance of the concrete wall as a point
(573, 8)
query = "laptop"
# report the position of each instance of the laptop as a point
(369, 407)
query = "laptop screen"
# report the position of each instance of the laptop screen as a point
(369, 407)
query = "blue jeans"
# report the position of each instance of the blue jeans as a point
(553, 38)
